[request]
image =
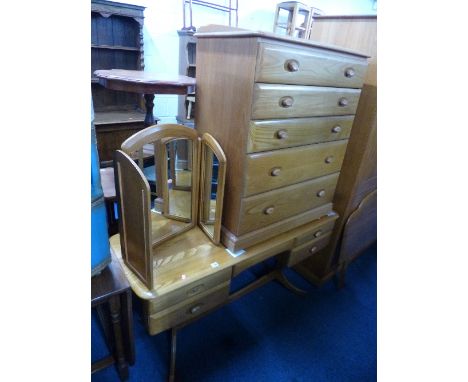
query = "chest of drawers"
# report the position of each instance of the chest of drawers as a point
(282, 109)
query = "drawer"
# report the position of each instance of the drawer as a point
(281, 133)
(187, 310)
(270, 207)
(190, 290)
(274, 169)
(308, 249)
(278, 64)
(289, 101)
(323, 226)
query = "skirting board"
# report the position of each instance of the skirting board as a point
(235, 243)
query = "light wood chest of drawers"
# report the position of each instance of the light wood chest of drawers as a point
(282, 109)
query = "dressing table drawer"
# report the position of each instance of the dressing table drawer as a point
(289, 101)
(190, 290)
(187, 310)
(278, 64)
(308, 249)
(282, 133)
(274, 169)
(270, 207)
(318, 231)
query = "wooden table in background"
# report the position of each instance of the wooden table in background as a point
(111, 296)
(149, 84)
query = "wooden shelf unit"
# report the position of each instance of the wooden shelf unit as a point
(116, 43)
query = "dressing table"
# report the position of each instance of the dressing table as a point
(192, 276)
(276, 112)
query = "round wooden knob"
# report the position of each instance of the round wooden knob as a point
(195, 309)
(286, 101)
(275, 171)
(291, 65)
(269, 210)
(281, 134)
(349, 72)
(329, 159)
(336, 129)
(343, 101)
(318, 233)
(313, 249)
(321, 193)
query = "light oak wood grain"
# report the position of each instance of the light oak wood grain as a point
(358, 177)
(282, 65)
(192, 256)
(289, 101)
(234, 243)
(270, 207)
(357, 33)
(327, 225)
(133, 192)
(283, 133)
(360, 229)
(210, 147)
(308, 249)
(189, 291)
(241, 34)
(225, 74)
(229, 98)
(295, 165)
(187, 310)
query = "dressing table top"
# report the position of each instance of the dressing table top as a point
(191, 256)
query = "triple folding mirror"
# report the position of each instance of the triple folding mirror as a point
(168, 179)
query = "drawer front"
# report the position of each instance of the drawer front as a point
(289, 101)
(264, 209)
(282, 133)
(274, 169)
(318, 231)
(278, 64)
(189, 291)
(308, 249)
(188, 310)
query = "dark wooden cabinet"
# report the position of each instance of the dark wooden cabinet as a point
(116, 43)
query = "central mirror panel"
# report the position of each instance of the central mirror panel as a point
(178, 182)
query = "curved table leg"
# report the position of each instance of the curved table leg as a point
(287, 284)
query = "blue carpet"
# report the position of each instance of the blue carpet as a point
(270, 334)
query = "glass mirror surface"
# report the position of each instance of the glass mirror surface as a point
(167, 166)
(179, 179)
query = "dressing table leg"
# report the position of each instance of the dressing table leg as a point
(173, 354)
(287, 284)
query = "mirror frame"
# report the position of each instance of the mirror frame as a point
(159, 135)
(207, 140)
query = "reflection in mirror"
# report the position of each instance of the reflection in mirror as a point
(179, 180)
(213, 173)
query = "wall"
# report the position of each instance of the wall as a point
(164, 17)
